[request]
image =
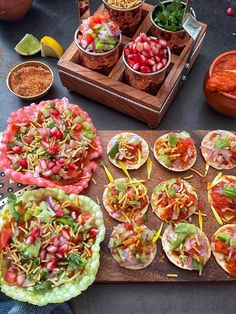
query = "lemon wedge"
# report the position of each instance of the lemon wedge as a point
(28, 46)
(50, 47)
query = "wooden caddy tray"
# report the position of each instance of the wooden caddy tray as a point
(109, 271)
(114, 92)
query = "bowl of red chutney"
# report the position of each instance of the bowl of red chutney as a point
(220, 83)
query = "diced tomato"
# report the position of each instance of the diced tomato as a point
(128, 226)
(213, 135)
(93, 232)
(89, 38)
(221, 247)
(36, 232)
(234, 156)
(29, 138)
(140, 221)
(59, 213)
(219, 200)
(84, 217)
(5, 235)
(10, 277)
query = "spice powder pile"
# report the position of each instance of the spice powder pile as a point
(30, 80)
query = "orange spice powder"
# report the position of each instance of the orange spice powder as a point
(30, 80)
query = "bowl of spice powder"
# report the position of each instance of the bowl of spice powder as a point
(30, 80)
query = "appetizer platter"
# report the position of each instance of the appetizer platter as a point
(117, 85)
(156, 255)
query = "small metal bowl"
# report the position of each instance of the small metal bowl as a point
(25, 64)
(145, 81)
(176, 40)
(127, 19)
(102, 62)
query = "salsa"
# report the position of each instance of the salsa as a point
(221, 80)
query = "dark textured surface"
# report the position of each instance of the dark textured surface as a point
(188, 111)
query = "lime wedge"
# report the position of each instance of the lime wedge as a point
(50, 47)
(28, 46)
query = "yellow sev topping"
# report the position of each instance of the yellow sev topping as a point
(217, 217)
(149, 167)
(200, 219)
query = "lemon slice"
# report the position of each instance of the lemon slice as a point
(28, 46)
(50, 47)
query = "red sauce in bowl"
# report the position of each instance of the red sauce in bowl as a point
(223, 81)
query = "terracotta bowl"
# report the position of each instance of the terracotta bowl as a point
(14, 10)
(222, 102)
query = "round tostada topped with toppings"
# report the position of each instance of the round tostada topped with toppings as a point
(126, 199)
(129, 148)
(175, 151)
(186, 246)
(222, 196)
(223, 245)
(174, 200)
(132, 245)
(49, 245)
(219, 149)
(52, 144)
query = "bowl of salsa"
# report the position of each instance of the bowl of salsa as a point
(220, 83)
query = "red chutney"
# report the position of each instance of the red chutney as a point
(222, 81)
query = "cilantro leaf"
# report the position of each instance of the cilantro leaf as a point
(115, 150)
(12, 203)
(197, 265)
(76, 262)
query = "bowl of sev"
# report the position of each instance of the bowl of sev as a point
(30, 80)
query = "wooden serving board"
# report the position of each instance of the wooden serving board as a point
(112, 89)
(109, 270)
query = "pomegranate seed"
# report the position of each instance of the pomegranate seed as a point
(134, 47)
(56, 133)
(146, 54)
(53, 150)
(74, 215)
(150, 62)
(17, 149)
(142, 59)
(51, 248)
(126, 52)
(59, 255)
(130, 56)
(65, 234)
(51, 164)
(164, 61)
(62, 161)
(230, 11)
(145, 69)
(151, 54)
(139, 47)
(163, 43)
(72, 166)
(136, 58)
(137, 40)
(154, 68)
(143, 37)
(47, 173)
(23, 163)
(20, 279)
(30, 239)
(55, 112)
(159, 66)
(93, 232)
(51, 264)
(56, 169)
(146, 46)
(55, 241)
(157, 59)
(57, 206)
(45, 144)
(131, 63)
(136, 66)
(29, 138)
(155, 51)
(59, 213)
(43, 164)
(36, 232)
(42, 254)
(63, 249)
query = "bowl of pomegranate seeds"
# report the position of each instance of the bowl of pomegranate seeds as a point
(146, 61)
(98, 39)
(166, 19)
(125, 13)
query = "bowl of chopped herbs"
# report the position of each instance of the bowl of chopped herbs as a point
(166, 19)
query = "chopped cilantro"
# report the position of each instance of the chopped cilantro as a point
(76, 262)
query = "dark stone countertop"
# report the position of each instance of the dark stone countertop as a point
(188, 111)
